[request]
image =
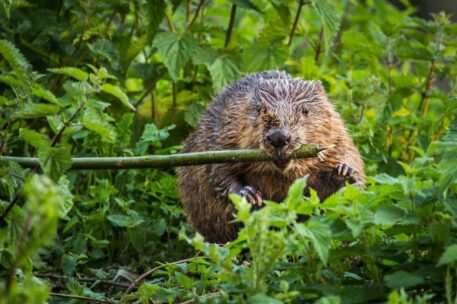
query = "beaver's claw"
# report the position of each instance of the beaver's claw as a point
(345, 171)
(252, 195)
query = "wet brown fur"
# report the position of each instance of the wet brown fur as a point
(239, 119)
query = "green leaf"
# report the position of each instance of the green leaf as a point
(118, 93)
(175, 51)
(185, 281)
(402, 279)
(35, 110)
(16, 60)
(67, 198)
(223, 71)
(55, 161)
(41, 92)
(330, 18)
(261, 298)
(155, 10)
(295, 193)
(389, 215)
(75, 73)
(413, 52)
(153, 134)
(125, 220)
(246, 4)
(449, 256)
(265, 55)
(37, 140)
(93, 121)
(320, 235)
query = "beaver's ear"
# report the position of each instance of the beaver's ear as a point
(318, 88)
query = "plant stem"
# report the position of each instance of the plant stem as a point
(425, 98)
(149, 272)
(57, 136)
(319, 45)
(169, 22)
(228, 35)
(174, 94)
(88, 280)
(82, 298)
(200, 4)
(173, 160)
(297, 17)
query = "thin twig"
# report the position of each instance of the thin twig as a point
(174, 92)
(200, 4)
(57, 136)
(169, 22)
(228, 35)
(207, 296)
(88, 280)
(82, 298)
(147, 273)
(297, 17)
(174, 160)
(319, 45)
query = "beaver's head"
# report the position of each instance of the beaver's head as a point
(290, 113)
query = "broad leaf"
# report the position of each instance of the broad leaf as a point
(118, 93)
(35, 110)
(75, 73)
(175, 50)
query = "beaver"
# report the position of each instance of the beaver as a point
(276, 113)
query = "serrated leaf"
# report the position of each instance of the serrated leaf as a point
(55, 161)
(127, 221)
(320, 236)
(330, 18)
(35, 110)
(449, 255)
(389, 215)
(413, 52)
(41, 92)
(264, 55)
(118, 93)
(175, 50)
(402, 279)
(16, 60)
(153, 134)
(184, 281)
(223, 72)
(95, 122)
(295, 193)
(193, 114)
(155, 10)
(67, 198)
(37, 140)
(75, 73)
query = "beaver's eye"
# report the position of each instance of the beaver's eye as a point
(305, 111)
(259, 108)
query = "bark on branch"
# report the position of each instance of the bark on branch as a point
(173, 160)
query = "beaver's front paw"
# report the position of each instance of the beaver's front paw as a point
(252, 195)
(346, 173)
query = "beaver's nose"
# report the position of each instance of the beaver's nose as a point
(278, 138)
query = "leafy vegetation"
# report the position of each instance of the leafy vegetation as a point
(123, 78)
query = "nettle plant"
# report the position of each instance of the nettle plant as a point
(119, 78)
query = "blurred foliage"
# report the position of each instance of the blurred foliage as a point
(122, 78)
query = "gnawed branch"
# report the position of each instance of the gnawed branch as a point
(173, 160)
